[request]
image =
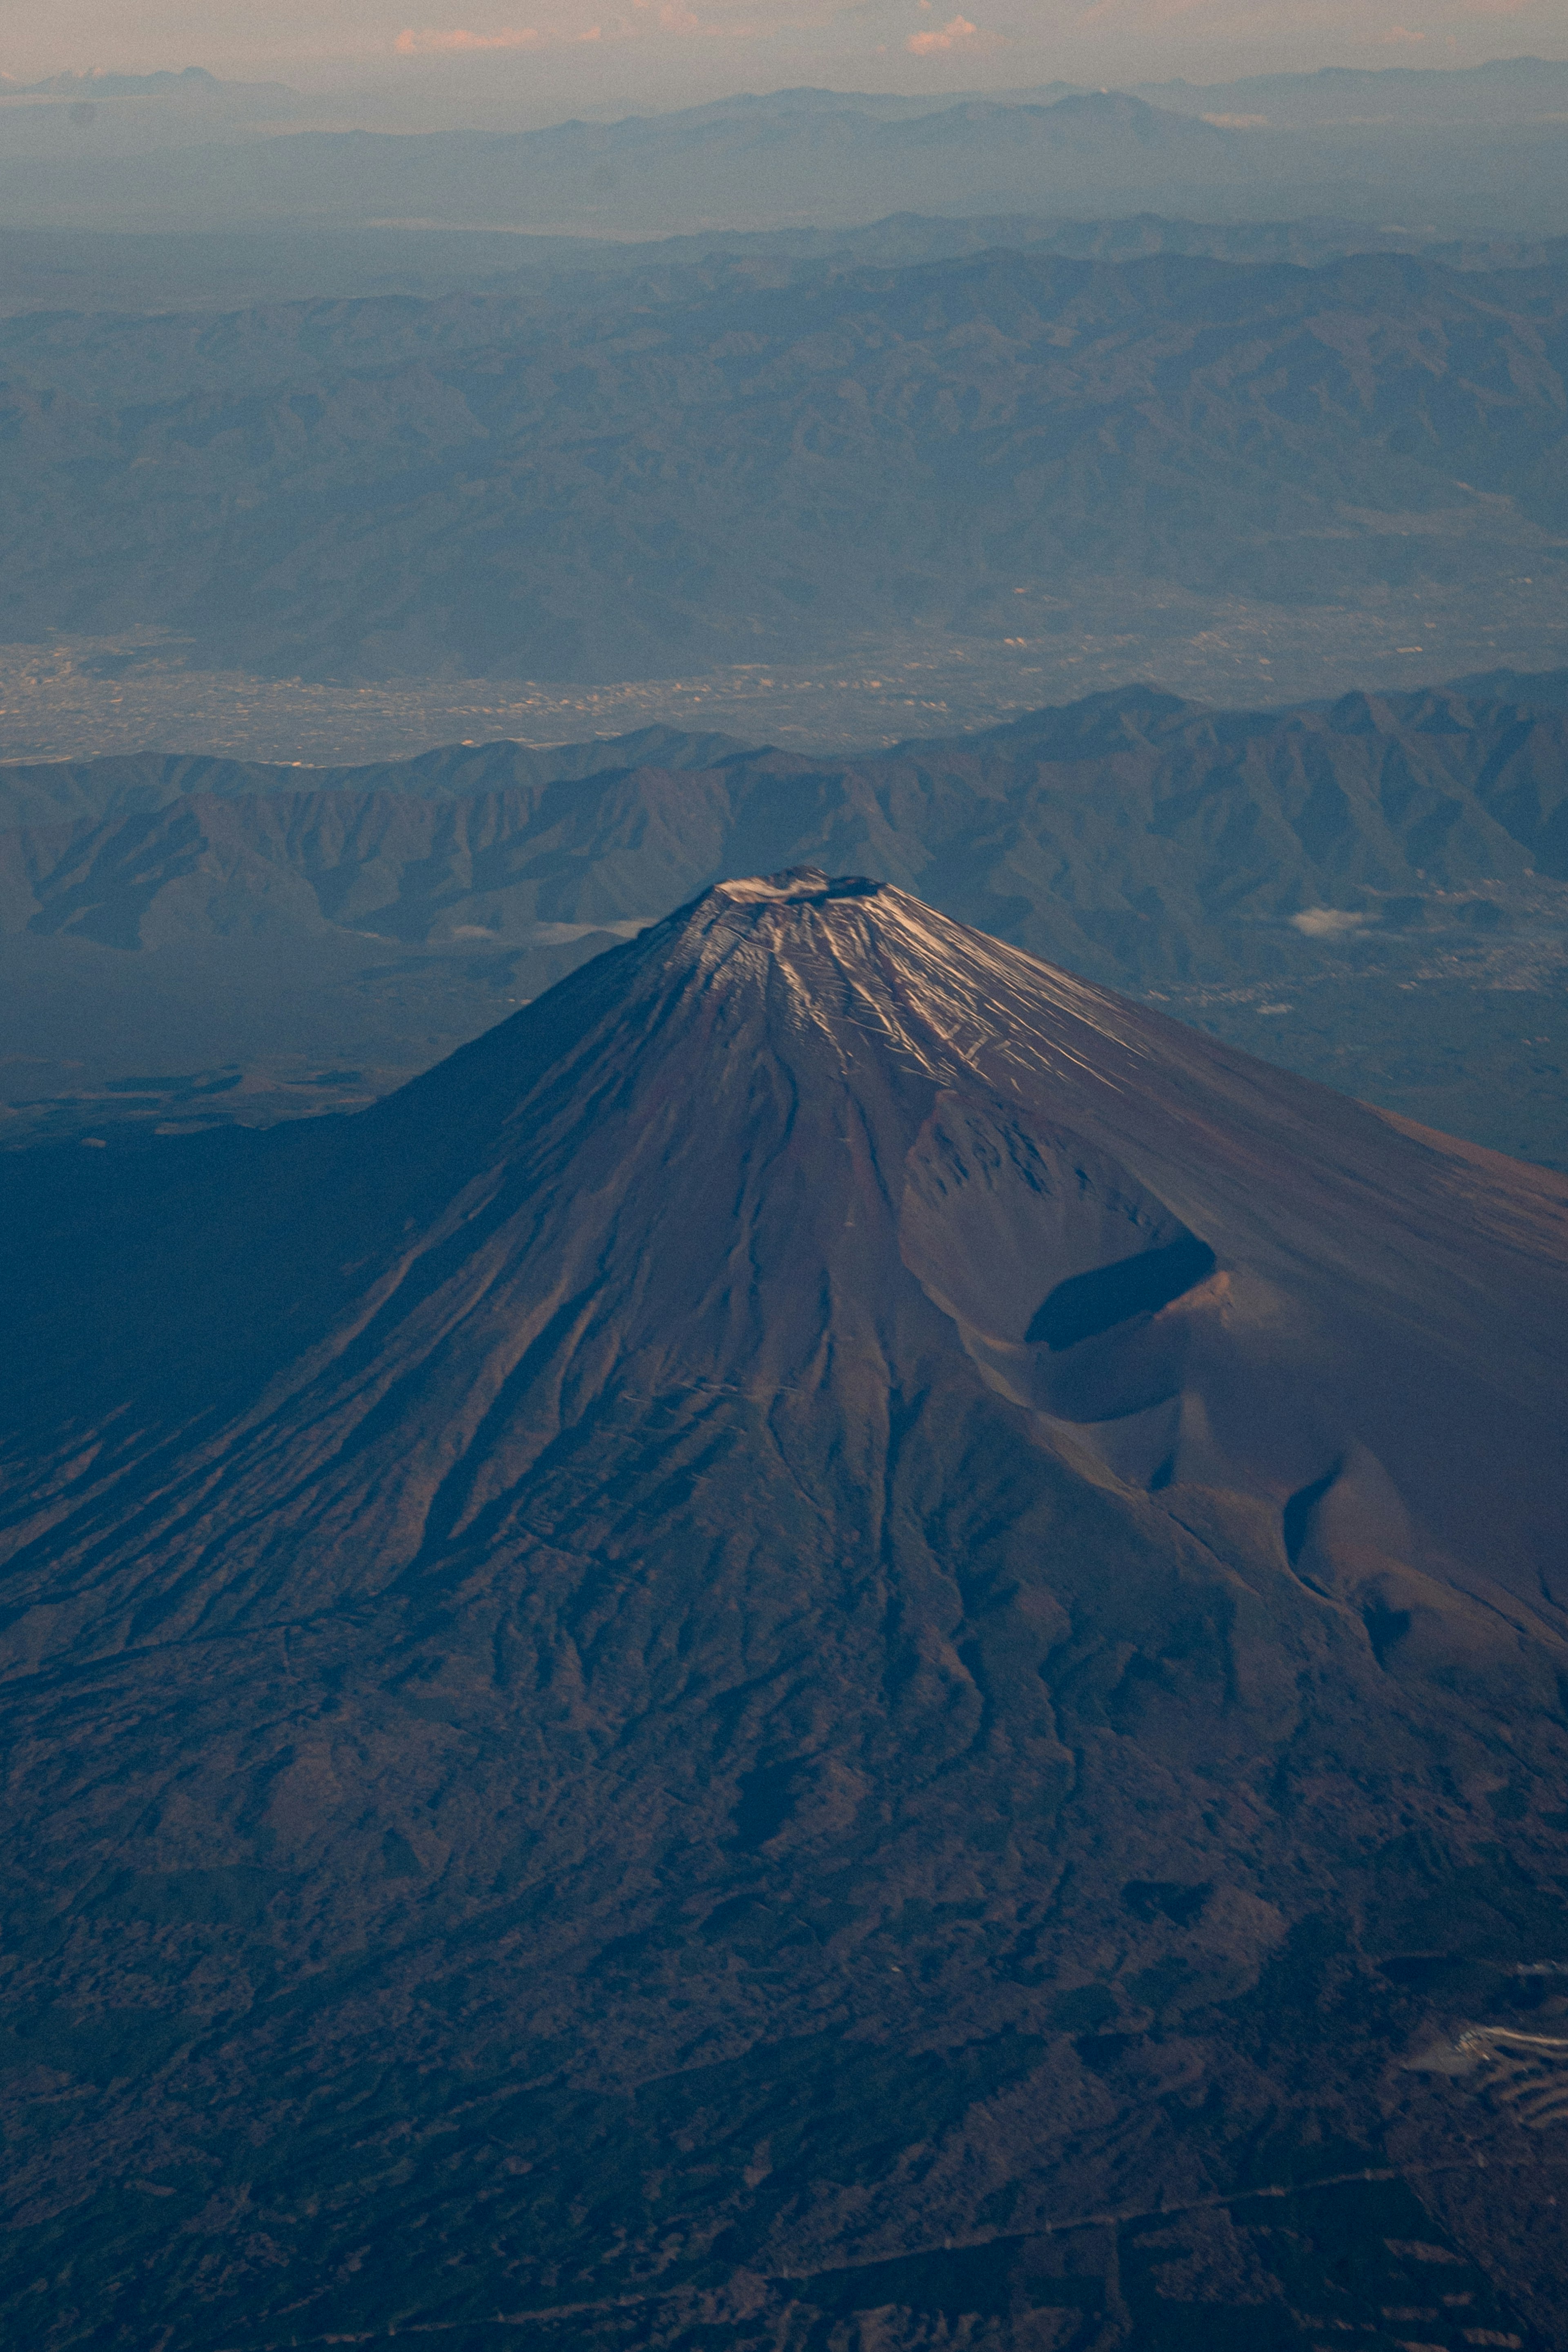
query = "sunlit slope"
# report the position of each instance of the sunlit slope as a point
(832, 1521)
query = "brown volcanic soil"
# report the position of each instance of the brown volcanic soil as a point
(643, 1703)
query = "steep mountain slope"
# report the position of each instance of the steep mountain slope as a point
(754, 461)
(1385, 857)
(837, 1628)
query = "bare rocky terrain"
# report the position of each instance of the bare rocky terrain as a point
(840, 1642)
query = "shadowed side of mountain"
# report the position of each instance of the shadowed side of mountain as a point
(752, 1001)
(831, 1587)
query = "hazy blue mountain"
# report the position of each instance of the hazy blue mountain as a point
(752, 167)
(1380, 97)
(1546, 691)
(102, 120)
(50, 792)
(814, 158)
(187, 81)
(45, 269)
(738, 461)
(1133, 837)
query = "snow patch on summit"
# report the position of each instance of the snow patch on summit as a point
(938, 994)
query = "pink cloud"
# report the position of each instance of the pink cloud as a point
(1397, 32)
(434, 43)
(680, 17)
(959, 34)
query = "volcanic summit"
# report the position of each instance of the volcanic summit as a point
(838, 1642)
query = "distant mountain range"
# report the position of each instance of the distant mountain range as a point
(188, 81)
(128, 114)
(750, 165)
(839, 1644)
(631, 474)
(1496, 162)
(1375, 860)
(48, 793)
(1133, 837)
(1378, 97)
(116, 271)
(1505, 90)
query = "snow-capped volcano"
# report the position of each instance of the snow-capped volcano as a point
(826, 1496)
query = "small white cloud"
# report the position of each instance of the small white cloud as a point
(1398, 34)
(1324, 922)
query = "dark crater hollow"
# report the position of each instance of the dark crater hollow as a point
(1087, 1304)
(809, 886)
(1427, 1973)
(1152, 1898)
(1297, 1518)
(766, 1801)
